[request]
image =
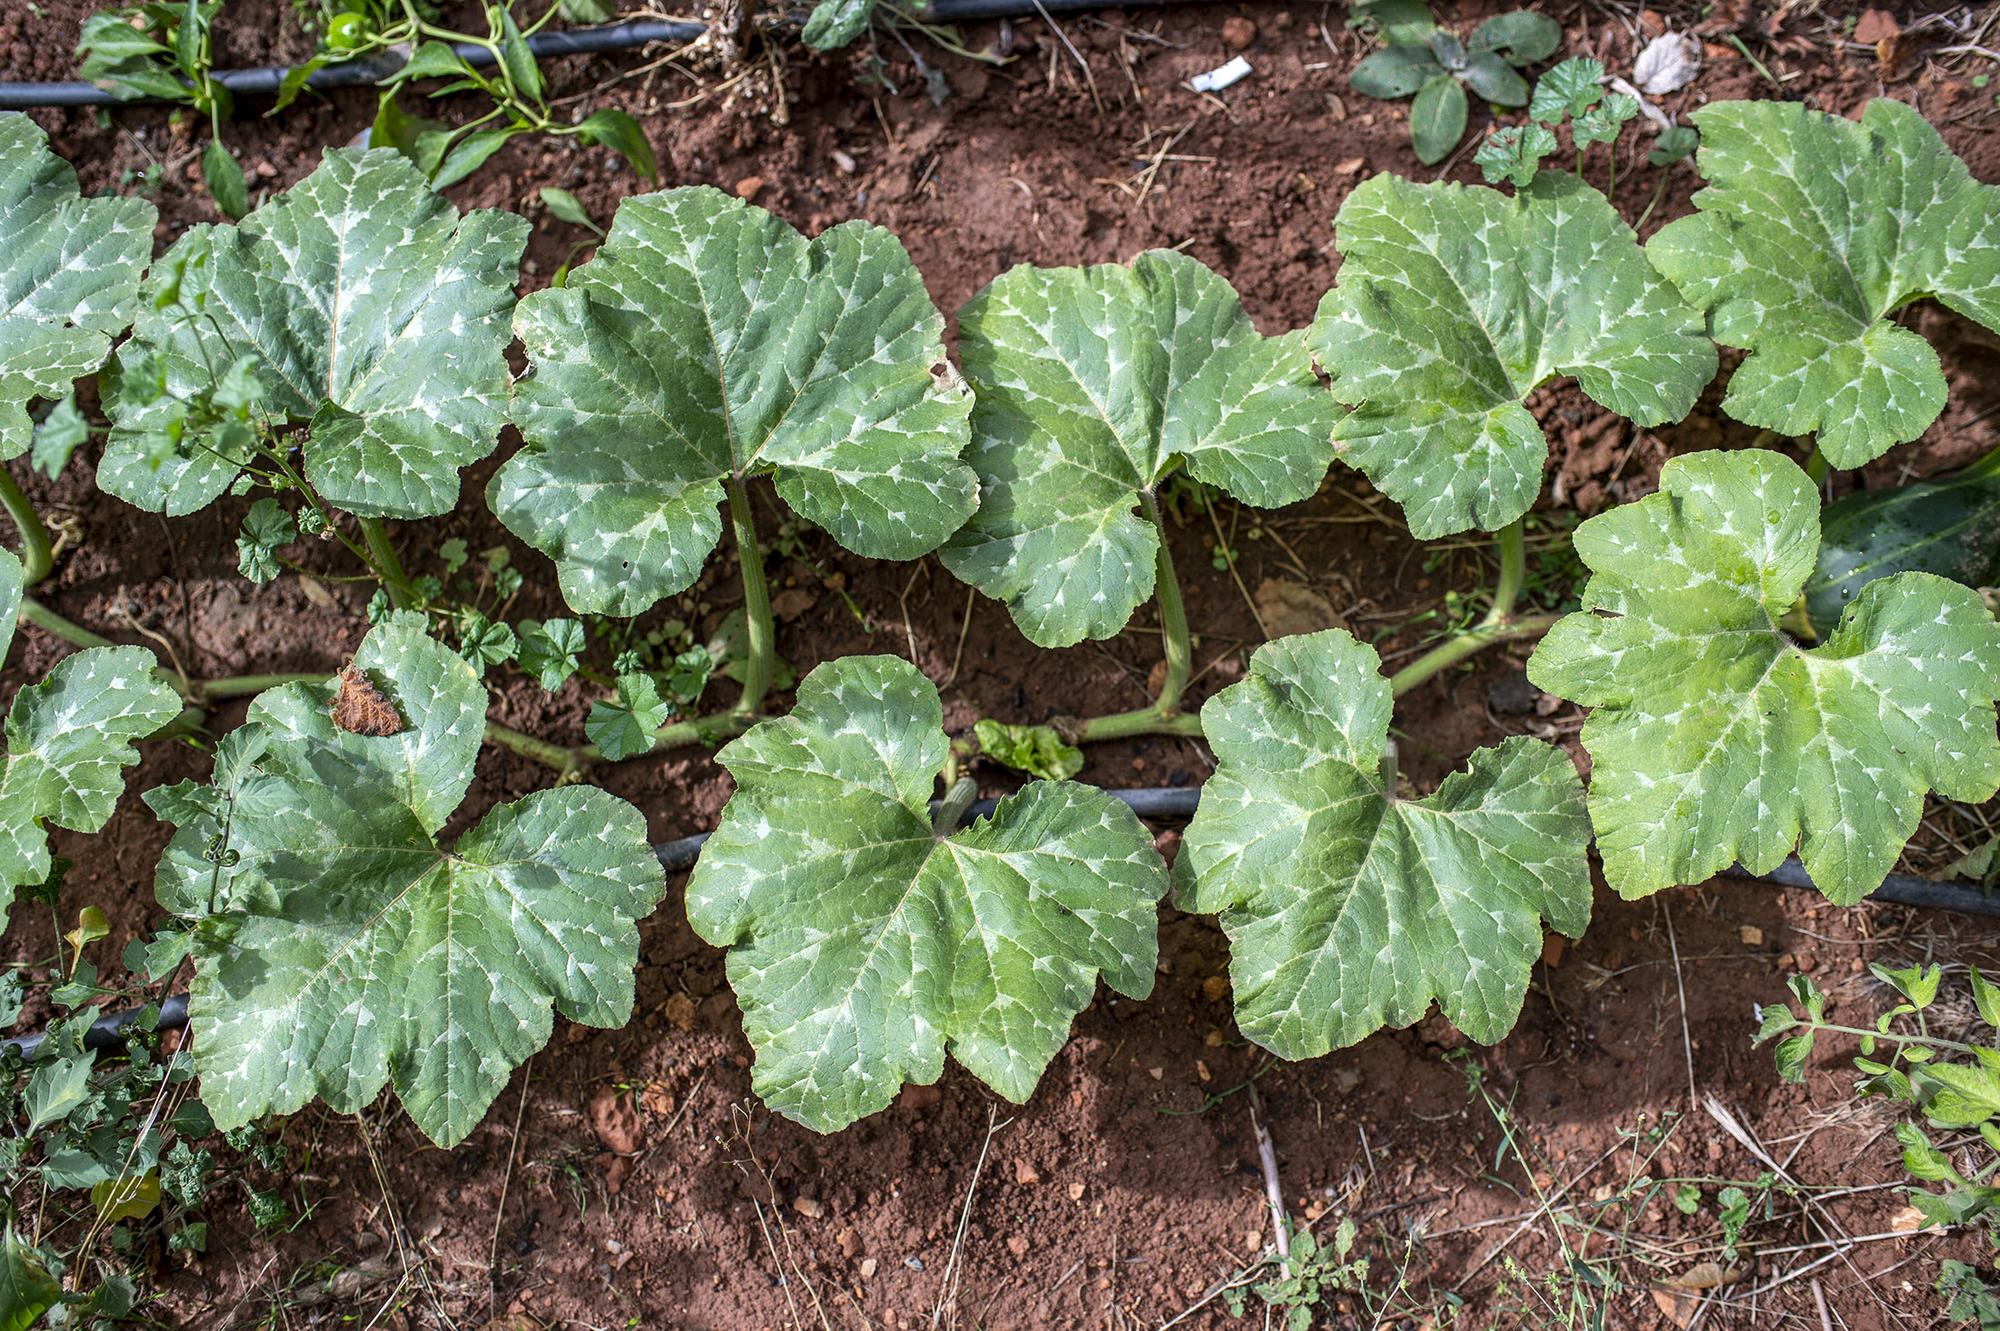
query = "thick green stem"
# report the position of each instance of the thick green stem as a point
(756, 601)
(707, 731)
(1145, 721)
(48, 621)
(1465, 646)
(1513, 542)
(1173, 618)
(1816, 469)
(37, 555)
(568, 764)
(246, 686)
(388, 564)
(951, 809)
(1499, 625)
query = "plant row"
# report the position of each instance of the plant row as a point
(342, 353)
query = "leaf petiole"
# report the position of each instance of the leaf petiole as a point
(1499, 625)
(37, 554)
(758, 625)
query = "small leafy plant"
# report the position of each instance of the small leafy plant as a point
(510, 80)
(165, 51)
(1438, 67)
(1952, 1085)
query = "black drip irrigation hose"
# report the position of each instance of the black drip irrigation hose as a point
(1159, 803)
(266, 81)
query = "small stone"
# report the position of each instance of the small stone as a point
(1875, 26)
(1201, 1071)
(1018, 1245)
(1215, 988)
(1351, 166)
(790, 603)
(808, 1207)
(1238, 33)
(680, 1012)
(1751, 935)
(919, 1097)
(749, 187)
(1076, 1192)
(1025, 1173)
(613, 1121)
(867, 1268)
(1156, 1073)
(844, 162)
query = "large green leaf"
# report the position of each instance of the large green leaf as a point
(835, 23)
(13, 585)
(1093, 384)
(69, 275)
(341, 948)
(1348, 907)
(708, 339)
(862, 945)
(373, 314)
(1716, 737)
(1456, 302)
(27, 1290)
(1813, 232)
(68, 740)
(1949, 526)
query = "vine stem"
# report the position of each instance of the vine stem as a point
(703, 730)
(568, 764)
(1164, 716)
(37, 554)
(756, 601)
(1173, 617)
(248, 686)
(1499, 625)
(388, 564)
(951, 809)
(48, 621)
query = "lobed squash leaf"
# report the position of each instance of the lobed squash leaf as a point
(1093, 385)
(708, 339)
(1813, 232)
(1715, 736)
(68, 739)
(69, 275)
(363, 306)
(341, 948)
(1456, 302)
(862, 945)
(1349, 907)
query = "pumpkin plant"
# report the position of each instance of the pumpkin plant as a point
(708, 344)
(339, 947)
(1092, 387)
(1762, 677)
(868, 936)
